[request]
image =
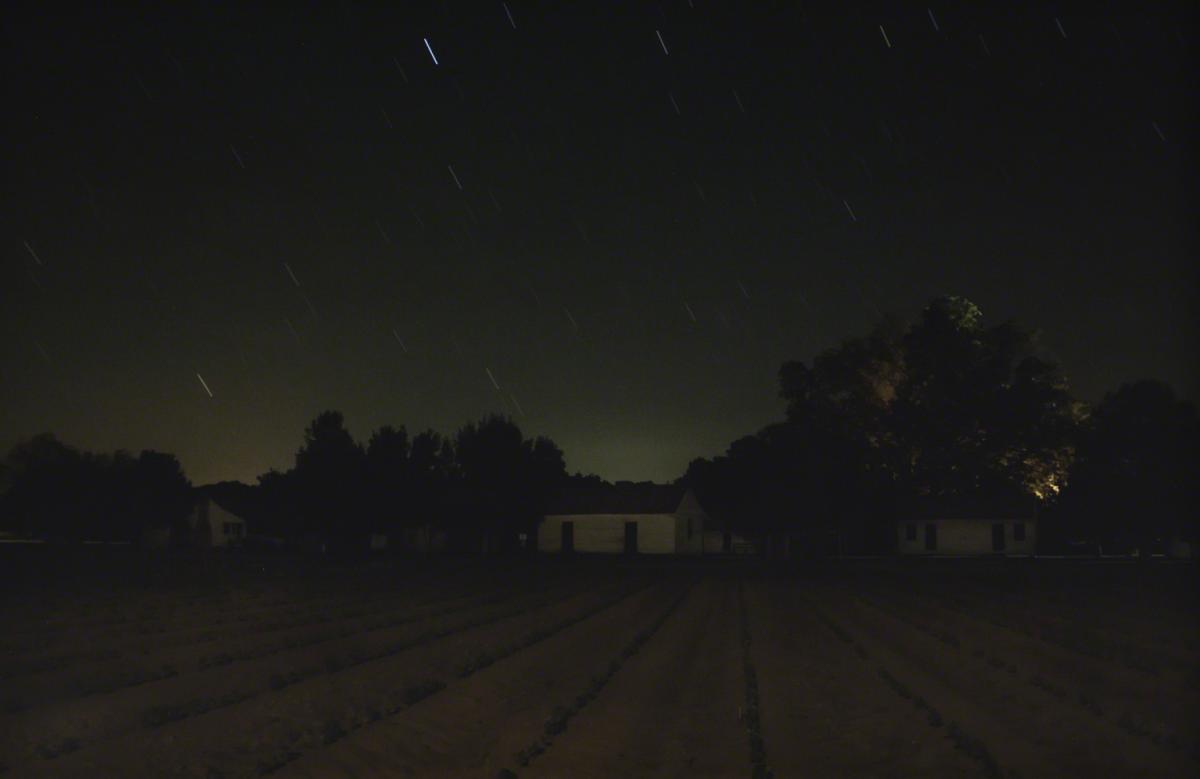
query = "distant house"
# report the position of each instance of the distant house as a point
(970, 525)
(212, 524)
(625, 517)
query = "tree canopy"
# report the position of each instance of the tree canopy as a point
(944, 405)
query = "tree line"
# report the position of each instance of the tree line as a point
(945, 406)
(480, 489)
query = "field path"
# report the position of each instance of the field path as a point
(672, 710)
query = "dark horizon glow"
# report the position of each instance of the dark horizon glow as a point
(611, 223)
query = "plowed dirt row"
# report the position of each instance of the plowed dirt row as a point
(1024, 730)
(825, 710)
(672, 710)
(119, 670)
(477, 725)
(87, 720)
(194, 624)
(238, 739)
(1098, 602)
(1159, 704)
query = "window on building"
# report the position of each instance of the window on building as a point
(910, 531)
(1018, 531)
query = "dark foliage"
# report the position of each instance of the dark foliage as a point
(63, 494)
(948, 407)
(1134, 483)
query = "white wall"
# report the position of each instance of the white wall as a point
(217, 518)
(967, 536)
(689, 511)
(606, 532)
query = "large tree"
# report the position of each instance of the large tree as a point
(331, 475)
(61, 493)
(945, 406)
(1134, 484)
(391, 480)
(942, 406)
(504, 478)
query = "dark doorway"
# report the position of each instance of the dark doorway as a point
(727, 542)
(631, 538)
(930, 537)
(998, 537)
(568, 536)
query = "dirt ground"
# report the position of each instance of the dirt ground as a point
(604, 668)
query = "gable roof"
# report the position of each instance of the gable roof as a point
(620, 498)
(227, 497)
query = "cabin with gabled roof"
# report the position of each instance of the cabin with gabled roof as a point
(623, 518)
(970, 525)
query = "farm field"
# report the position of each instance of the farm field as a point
(599, 668)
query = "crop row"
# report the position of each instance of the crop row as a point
(395, 701)
(1074, 638)
(556, 723)
(1085, 699)
(115, 679)
(333, 663)
(216, 628)
(973, 747)
(752, 715)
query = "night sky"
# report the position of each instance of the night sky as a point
(612, 221)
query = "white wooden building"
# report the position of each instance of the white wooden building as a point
(970, 525)
(623, 518)
(213, 525)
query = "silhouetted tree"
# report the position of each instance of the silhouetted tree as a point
(156, 495)
(390, 478)
(431, 484)
(43, 500)
(277, 506)
(331, 475)
(1134, 484)
(504, 479)
(62, 494)
(943, 406)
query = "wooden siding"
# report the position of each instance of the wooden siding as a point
(657, 533)
(966, 537)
